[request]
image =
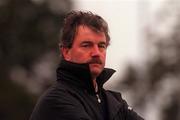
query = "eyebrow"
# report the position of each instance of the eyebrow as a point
(88, 41)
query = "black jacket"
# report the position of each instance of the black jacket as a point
(73, 97)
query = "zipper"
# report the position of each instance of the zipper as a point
(96, 90)
(98, 98)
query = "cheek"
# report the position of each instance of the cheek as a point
(103, 56)
(79, 57)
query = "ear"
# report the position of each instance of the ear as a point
(66, 53)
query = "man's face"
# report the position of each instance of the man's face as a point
(88, 47)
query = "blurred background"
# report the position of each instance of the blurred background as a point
(145, 51)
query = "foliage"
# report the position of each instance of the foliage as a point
(29, 29)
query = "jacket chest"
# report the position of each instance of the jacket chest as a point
(95, 106)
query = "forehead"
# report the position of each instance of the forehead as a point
(86, 33)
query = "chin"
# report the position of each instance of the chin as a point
(96, 73)
(96, 69)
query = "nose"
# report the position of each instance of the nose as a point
(95, 51)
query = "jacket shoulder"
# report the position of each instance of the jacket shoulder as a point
(125, 110)
(57, 103)
(116, 95)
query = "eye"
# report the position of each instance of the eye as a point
(85, 45)
(102, 45)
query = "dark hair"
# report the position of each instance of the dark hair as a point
(76, 18)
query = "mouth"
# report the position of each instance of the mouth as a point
(95, 65)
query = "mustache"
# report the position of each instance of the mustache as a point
(95, 61)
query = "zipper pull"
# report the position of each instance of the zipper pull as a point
(96, 90)
(98, 98)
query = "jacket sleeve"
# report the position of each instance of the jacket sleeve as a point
(130, 113)
(126, 112)
(61, 106)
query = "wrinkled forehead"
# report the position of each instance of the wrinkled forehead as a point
(84, 33)
(84, 29)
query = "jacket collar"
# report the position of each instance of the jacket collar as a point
(79, 75)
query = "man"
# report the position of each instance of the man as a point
(78, 93)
